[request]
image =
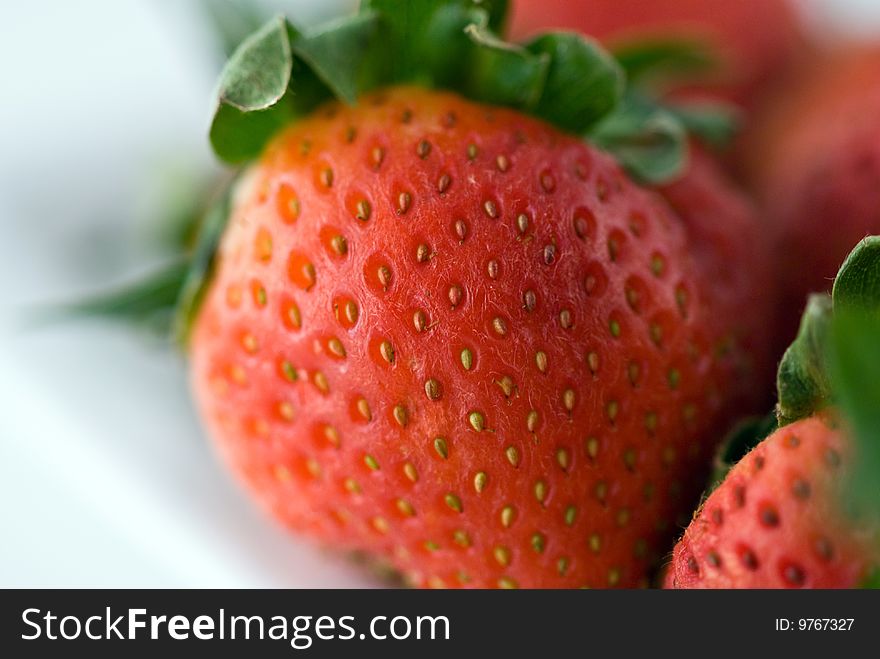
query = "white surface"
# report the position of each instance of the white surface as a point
(105, 478)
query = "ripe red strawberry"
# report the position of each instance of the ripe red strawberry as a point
(754, 51)
(452, 336)
(777, 520)
(800, 509)
(814, 162)
(726, 237)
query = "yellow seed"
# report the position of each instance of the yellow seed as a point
(565, 318)
(327, 177)
(499, 326)
(674, 377)
(477, 421)
(506, 583)
(387, 351)
(383, 273)
(538, 542)
(405, 507)
(614, 328)
(335, 346)
(480, 480)
(540, 491)
(352, 486)
(285, 410)
(541, 361)
(593, 362)
(562, 566)
(611, 410)
(613, 576)
(629, 458)
(522, 222)
(562, 458)
(432, 389)
(331, 435)
(313, 467)
(420, 320)
(453, 502)
(508, 513)
(371, 462)
(339, 245)
(410, 471)
(288, 371)
(467, 359)
(430, 545)
(282, 473)
(321, 383)
(403, 202)
(532, 420)
(601, 490)
(363, 408)
(461, 538)
(595, 543)
(441, 447)
(502, 555)
(570, 514)
(363, 210)
(249, 343)
(512, 455)
(380, 524)
(422, 253)
(651, 421)
(490, 208)
(623, 517)
(568, 399)
(506, 384)
(401, 416)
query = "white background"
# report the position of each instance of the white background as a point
(105, 478)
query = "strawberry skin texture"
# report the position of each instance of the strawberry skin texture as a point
(775, 521)
(454, 338)
(753, 52)
(814, 163)
(727, 240)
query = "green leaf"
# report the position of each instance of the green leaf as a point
(649, 142)
(503, 73)
(858, 283)
(337, 51)
(713, 123)
(137, 302)
(651, 60)
(257, 74)
(583, 83)
(405, 25)
(200, 268)
(872, 579)
(745, 436)
(802, 381)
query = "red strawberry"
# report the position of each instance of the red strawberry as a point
(727, 241)
(754, 51)
(800, 510)
(815, 164)
(777, 520)
(452, 336)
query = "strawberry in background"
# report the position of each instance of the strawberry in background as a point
(812, 159)
(800, 510)
(757, 39)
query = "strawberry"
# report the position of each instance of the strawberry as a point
(451, 324)
(753, 53)
(814, 163)
(776, 521)
(786, 516)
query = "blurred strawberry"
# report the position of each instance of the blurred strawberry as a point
(756, 39)
(813, 159)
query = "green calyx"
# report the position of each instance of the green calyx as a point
(281, 73)
(835, 360)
